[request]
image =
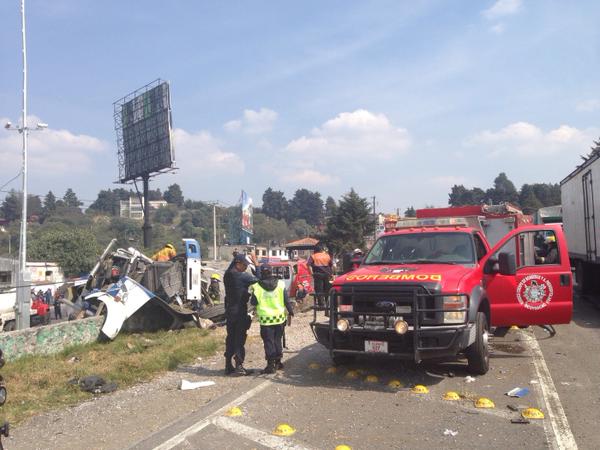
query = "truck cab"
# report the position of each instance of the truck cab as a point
(426, 292)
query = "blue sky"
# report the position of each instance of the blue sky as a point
(400, 100)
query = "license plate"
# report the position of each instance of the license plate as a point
(376, 346)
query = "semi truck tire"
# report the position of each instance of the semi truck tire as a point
(478, 354)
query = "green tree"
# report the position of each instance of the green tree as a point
(267, 229)
(460, 195)
(174, 195)
(154, 195)
(11, 206)
(71, 200)
(49, 203)
(74, 249)
(528, 200)
(165, 214)
(330, 206)
(106, 202)
(352, 222)
(274, 204)
(301, 228)
(34, 206)
(306, 205)
(410, 212)
(503, 191)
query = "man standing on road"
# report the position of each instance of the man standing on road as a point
(57, 311)
(321, 269)
(237, 282)
(272, 303)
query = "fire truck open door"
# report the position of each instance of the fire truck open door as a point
(527, 278)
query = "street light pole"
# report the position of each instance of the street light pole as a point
(214, 231)
(23, 297)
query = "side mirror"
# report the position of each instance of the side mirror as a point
(507, 263)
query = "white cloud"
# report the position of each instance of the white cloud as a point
(502, 8)
(253, 122)
(51, 152)
(201, 155)
(590, 105)
(358, 133)
(309, 177)
(448, 180)
(527, 140)
(497, 29)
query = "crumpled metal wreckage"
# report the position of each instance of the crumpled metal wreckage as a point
(135, 293)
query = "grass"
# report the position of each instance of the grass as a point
(37, 384)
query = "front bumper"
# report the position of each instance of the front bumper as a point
(432, 343)
(427, 336)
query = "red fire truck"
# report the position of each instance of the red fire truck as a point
(434, 291)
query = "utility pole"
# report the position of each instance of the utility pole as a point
(214, 231)
(375, 220)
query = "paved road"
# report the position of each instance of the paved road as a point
(330, 407)
(355, 406)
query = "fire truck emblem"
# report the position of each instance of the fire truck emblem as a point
(534, 292)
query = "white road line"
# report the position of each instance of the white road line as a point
(179, 438)
(560, 436)
(258, 436)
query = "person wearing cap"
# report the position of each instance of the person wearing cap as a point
(357, 257)
(320, 266)
(552, 250)
(237, 281)
(273, 308)
(165, 253)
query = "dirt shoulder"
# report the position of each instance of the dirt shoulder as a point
(120, 419)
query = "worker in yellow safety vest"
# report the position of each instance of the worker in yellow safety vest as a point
(273, 309)
(165, 253)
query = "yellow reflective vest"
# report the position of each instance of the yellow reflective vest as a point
(270, 307)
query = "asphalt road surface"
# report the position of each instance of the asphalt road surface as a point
(355, 405)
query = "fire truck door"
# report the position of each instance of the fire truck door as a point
(527, 278)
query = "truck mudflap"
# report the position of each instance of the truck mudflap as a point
(371, 332)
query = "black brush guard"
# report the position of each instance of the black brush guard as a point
(425, 320)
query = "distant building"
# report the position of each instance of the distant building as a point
(132, 208)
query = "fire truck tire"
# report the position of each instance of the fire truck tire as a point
(478, 353)
(342, 360)
(10, 326)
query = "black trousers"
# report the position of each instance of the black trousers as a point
(237, 327)
(57, 312)
(272, 336)
(322, 285)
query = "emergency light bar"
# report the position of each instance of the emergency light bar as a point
(433, 222)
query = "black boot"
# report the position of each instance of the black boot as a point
(229, 369)
(278, 364)
(271, 367)
(240, 369)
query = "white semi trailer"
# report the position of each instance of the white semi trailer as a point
(580, 197)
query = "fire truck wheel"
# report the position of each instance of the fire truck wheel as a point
(478, 354)
(10, 326)
(342, 360)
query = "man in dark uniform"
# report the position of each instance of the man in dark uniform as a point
(320, 266)
(237, 281)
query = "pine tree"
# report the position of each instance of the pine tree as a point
(351, 223)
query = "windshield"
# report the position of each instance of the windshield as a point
(423, 248)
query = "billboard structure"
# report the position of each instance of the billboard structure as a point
(241, 226)
(144, 145)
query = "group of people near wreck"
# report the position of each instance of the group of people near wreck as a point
(49, 298)
(274, 309)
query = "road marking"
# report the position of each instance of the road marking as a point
(258, 436)
(179, 438)
(560, 437)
